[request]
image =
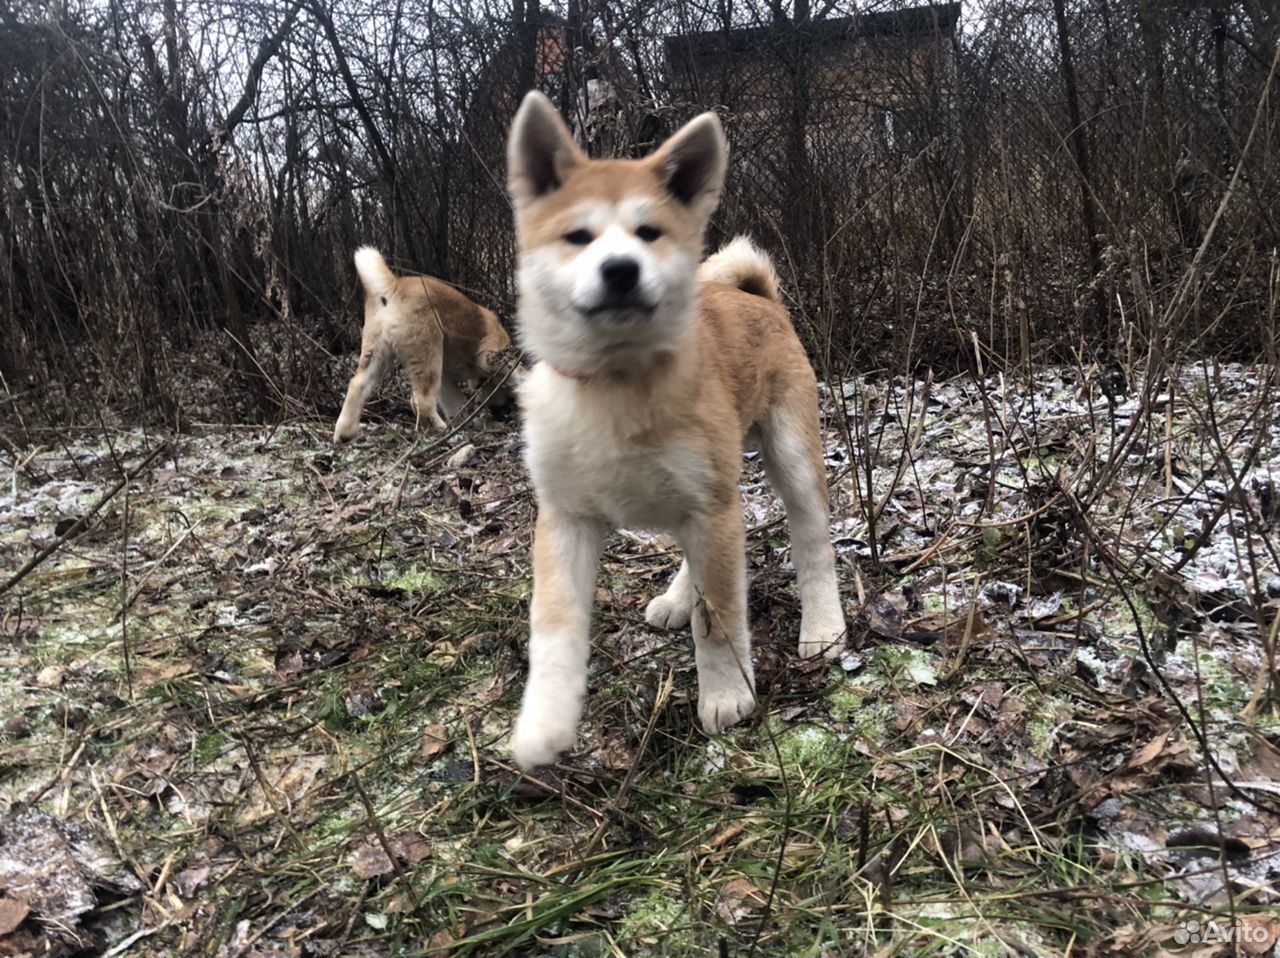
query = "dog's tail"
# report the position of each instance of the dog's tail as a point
(743, 264)
(374, 274)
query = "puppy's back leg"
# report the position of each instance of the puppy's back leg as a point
(425, 372)
(452, 399)
(487, 363)
(672, 609)
(792, 445)
(373, 364)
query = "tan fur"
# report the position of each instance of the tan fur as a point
(439, 335)
(653, 436)
(744, 265)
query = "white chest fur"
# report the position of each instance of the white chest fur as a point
(596, 452)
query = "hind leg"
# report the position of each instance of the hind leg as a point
(452, 399)
(792, 447)
(502, 402)
(425, 373)
(672, 609)
(373, 364)
(486, 363)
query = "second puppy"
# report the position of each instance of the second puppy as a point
(439, 335)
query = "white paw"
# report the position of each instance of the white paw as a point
(427, 416)
(539, 740)
(665, 612)
(720, 708)
(345, 431)
(826, 640)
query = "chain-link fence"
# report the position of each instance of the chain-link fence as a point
(1024, 179)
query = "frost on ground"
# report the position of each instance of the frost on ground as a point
(259, 703)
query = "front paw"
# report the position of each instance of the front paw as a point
(665, 612)
(540, 739)
(345, 431)
(721, 708)
(825, 639)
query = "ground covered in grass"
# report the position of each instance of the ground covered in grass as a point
(257, 702)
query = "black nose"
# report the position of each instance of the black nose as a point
(620, 273)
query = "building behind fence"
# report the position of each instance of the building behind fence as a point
(1023, 179)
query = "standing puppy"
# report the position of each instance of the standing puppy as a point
(438, 334)
(650, 374)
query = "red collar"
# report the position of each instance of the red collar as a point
(568, 375)
(615, 375)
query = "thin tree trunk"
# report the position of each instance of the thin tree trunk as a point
(385, 159)
(1080, 149)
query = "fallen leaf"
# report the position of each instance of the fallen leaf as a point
(12, 913)
(738, 900)
(434, 741)
(438, 944)
(987, 696)
(291, 783)
(370, 861)
(884, 618)
(189, 880)
(1258, 934)
(148, 672)
(410, 847)
(1149, 751)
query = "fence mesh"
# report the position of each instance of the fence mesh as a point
(1030, 177)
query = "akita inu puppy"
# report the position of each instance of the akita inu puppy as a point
(650, 374)
(438, 334)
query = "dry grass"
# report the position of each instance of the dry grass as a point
(272, 680)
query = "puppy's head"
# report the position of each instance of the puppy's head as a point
(608, 249)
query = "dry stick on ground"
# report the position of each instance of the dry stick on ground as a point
(146, 576)
(80, 523)
(124, 593)
(659, 703)
(783, 841)
(966, 640)
(376, 824)
(1215, 806)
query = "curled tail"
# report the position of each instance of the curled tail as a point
(374, 274)
(742, 264)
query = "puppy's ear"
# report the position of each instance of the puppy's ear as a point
(540, 152)
(692, 163)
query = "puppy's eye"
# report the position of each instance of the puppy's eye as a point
(579, 237)
(384, 300)
(648, 233)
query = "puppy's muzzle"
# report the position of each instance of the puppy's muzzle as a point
(620, 277)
